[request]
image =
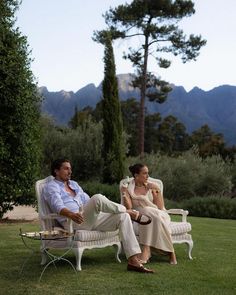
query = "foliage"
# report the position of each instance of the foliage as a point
(166, 135)
(188, 175)
(54, 142)
(19, 114)
(113, 146)
(151, 142)
(170, 136)
(86, 150)
(95, 187)
(80, 117)
(233, 173)
(129, 110)
(83, 146)
(184, 177)
(212, 206)
(215, 177)
(155, 24)
(208, 142)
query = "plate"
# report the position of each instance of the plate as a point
(50, 233)
(31, 234)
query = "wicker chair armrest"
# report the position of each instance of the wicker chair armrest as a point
(55, 216)
(49, 216)
(182, 212)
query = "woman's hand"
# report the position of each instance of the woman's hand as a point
(123, 190)
(126, 200)
(158, 199)
(153, 186)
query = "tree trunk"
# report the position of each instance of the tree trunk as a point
(142, 100)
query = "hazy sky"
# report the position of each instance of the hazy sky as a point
(65, 57)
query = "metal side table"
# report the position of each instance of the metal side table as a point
(54, 236)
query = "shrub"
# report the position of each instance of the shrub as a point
(215, 177)
(82, 146)
(170, 204)
(233, 173)
(188, 175)
(54, 143)
(179, 176)
(211, 206)
(85, 144)
(95, 187)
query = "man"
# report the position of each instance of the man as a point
(66, 197)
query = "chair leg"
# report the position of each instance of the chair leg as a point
(190, 247)
(78, 254)
(118, 251)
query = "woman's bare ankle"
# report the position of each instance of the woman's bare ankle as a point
(173, 259)
(145, 255)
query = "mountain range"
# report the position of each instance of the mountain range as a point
(216, 107)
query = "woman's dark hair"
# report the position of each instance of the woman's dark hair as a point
(136, 168)
(56, 165)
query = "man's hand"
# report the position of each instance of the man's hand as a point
(77, 217)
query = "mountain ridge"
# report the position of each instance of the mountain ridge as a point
(197, 107)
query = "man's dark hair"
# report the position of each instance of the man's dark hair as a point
(56, 165)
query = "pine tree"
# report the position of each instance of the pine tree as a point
(155, 25)
(113, 149)
(19, 114)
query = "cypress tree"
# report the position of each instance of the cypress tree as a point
(113, 149)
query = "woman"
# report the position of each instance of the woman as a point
(146, 197)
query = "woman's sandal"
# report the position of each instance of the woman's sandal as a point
(139, 217)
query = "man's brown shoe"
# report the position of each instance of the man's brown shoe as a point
(139, 268)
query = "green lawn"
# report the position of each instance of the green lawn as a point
(212, 270)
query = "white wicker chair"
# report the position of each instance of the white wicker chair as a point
(83, 239)
(179, 230)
